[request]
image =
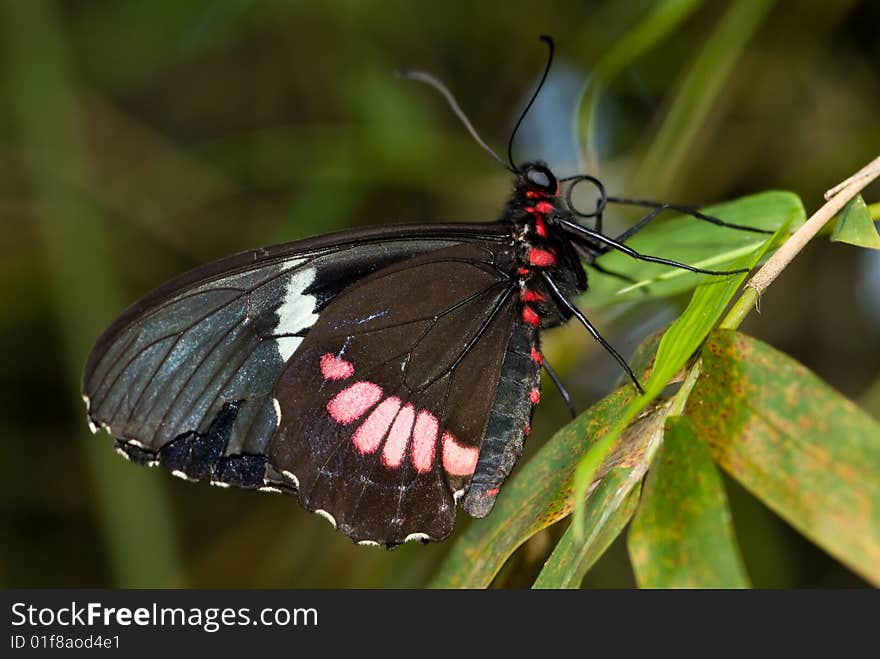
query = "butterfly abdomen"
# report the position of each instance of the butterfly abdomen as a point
(509, 421)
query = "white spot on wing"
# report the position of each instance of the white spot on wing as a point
(416, 536)
(368, 543)
(327, 516)
(458, 494)
(269, 488)
(287, 345)
(182, 476)
(93, 427)
(219, 484)
(122, 453)
(292, 477)
(296, 311)
(277, 407)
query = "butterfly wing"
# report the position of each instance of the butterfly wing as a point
(184, 376)
(385, 404)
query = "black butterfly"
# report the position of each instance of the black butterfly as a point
(381, 375)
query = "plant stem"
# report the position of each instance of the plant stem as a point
(837, 197)
(681, 396)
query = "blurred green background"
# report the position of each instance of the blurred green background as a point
(139, 139)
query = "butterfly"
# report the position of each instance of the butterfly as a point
(383, 376)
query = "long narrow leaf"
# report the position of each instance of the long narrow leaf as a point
(682, 536)
(699, 89)
(608, 509)
(803, 449)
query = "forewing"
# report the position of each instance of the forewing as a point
(386, 402)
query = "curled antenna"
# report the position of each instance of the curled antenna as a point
(549, 41)
(428, 79)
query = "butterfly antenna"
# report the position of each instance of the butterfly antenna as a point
(552, 46)
(428, 79)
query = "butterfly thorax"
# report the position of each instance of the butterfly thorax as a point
(540, 248)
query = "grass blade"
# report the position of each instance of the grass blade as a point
(142, 546)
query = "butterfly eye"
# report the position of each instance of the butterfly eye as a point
(540, 177)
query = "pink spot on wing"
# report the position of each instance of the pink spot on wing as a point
(398, 438)
(493, 492)
(458, 460)
(424, 441)
(535, 396)
(369, 434)
(335, 368)
(351, 403)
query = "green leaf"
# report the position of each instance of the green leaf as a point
(798, 445)
(663, 19)
(679, 342)
(609, 507)
(855, 226)
(682, 536)
(695, 242)
(700, 87)
(539, 493)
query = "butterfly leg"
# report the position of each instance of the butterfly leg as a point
(659, 207)
(570, 306)
(611, 243)
(557, 382)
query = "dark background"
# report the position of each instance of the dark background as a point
(139, 139)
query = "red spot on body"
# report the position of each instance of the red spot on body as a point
(526, 431)
(493, 492)
(537, 357)
(529, 209)
(424, 441)
(535, 396)
(369, 434)
(398, 437)
(544, 207)
(336, 368)
(530, 316)
(531, 194)
(523, 271)
(532, 296)
(541, 227)
(541, 258)
(351, 403)
(458, 460)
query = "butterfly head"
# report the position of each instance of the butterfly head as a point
(536, 177)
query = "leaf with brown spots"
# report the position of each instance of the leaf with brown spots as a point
(682, 536)
(608, 508)
(798, 445)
